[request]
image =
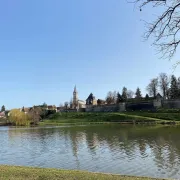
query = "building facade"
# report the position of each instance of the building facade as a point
(76, 103)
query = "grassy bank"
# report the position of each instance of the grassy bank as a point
(29, 173)
(128, 117)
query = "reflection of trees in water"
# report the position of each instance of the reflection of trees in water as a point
(165, 147)
(163, 143)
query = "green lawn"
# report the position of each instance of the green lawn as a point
(126, 117)
(29, 173)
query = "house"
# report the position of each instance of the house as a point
(59, 109)
(51, 107)
(91, 100)
(2, 114)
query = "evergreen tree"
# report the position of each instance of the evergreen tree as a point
(124, 94)
(138, 93)
(174, 92)
(3, 108)
(119, 98)
(179, 87)
(147, 97)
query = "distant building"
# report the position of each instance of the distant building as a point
(76, 104)
(91, 100)
(101, 102)
(51, 107)
(2, 114)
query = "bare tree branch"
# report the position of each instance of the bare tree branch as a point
(166, 28)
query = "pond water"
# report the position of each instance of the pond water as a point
(121, 149)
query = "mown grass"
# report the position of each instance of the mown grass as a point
(126, 117)
(161, 115)
(30, 173)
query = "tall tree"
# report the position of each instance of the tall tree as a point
(124, 94)
(71, 103)
(3, 108)
(35, 114)
(174, 92)
(179, 86)
(164, 84)
(66, 104)
(138, 93)
(152, 87)
(110, 98)
(119, 98)
(114, 97)
(179, 83)
(166, 27)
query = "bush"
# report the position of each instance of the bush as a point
(19, 118)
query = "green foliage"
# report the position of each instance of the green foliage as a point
(147, 97)
(19, 118)
(124, 94)
(174, 91)
(119, 98)
(138, 93)
(3, 108)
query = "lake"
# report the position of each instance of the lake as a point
(152, 151)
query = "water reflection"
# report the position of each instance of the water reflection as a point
(131, 150)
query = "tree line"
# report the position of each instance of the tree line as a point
(167, 86)
(31, 116)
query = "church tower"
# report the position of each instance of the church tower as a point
(75, 97)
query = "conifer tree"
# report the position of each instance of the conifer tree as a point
(147, 97)
(174, 92)
(3, 108)
(124, 94)
(138, 93)
(119, 98)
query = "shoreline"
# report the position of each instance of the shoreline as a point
(37, 173)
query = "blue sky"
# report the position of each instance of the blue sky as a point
(48, 46)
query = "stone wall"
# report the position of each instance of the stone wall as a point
(140, 106)
(148, 105)
(106, 108)
(171, 104)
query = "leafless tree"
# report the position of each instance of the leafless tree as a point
(164, 84)
(66, 104)
(114, 97)
(35, 114)
(166, 27)
(60, 105)
(130, 94)
(152, 87)
(110, 98)
(71, 103)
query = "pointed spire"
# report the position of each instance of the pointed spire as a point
(75, 88)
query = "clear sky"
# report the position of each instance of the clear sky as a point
(48, 46)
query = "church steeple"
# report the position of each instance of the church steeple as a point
(75, 89)
(75, 97)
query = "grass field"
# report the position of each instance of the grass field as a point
(29, 173)
(126, 117)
